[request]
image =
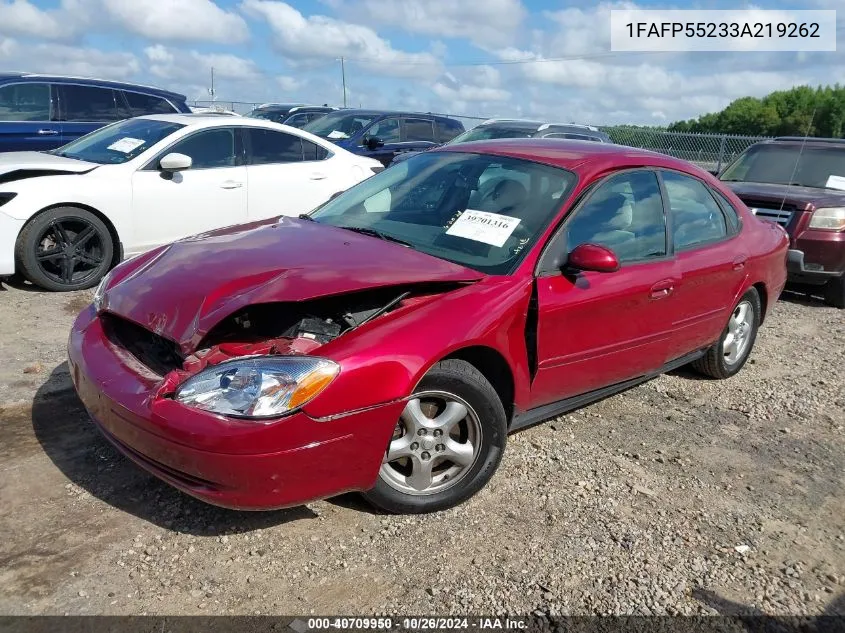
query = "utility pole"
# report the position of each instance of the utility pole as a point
(211, 90)
(343, 77)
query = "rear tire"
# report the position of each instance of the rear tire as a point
(834, 292)
(447, 444)
(65, 249)
(729, 354)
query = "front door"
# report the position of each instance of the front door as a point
(598, 329)
(27, 118)
(388, 132)
(211, 194)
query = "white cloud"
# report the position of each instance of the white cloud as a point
(480, 83)
(489, 23)
(68, 60)
(184, 65)
(318, 37)
(178, 20)
(21, 17)
(288, 84)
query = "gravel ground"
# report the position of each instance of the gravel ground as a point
(680, 496)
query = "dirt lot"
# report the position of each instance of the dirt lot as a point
(680, 496)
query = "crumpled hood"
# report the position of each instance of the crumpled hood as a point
(181, 291)
(29, 161)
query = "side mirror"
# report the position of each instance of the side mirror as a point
(175, 162)
(593, 257)
(373, 142)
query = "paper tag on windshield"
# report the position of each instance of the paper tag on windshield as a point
(126, 144)
(481, 226)
(836, 182)
(336, 134)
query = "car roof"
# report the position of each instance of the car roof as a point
(278, 106)
(528, 124)
(574, 155)
(802, 140)
(374, 113)
(101, 83)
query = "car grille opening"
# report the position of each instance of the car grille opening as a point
(157, 353)
(772, 211)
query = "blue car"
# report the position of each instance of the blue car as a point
(382, 134)
(42, 112)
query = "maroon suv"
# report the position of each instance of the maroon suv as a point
(800, 184)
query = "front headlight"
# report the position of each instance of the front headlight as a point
(258, 387)
(100, 292)
(828, 219)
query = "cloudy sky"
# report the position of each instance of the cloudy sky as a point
(537, 58)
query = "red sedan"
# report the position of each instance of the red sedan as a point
(389, 341)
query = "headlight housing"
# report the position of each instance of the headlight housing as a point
(6, 197)
(828, 219)
(258, 387)
(100, 292)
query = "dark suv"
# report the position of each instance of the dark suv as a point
(519, 128)
(382, 135)
(293, 114)
(41, 112)
(800, 184)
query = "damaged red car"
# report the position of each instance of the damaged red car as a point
(389, 341)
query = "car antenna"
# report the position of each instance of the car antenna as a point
(798, 159)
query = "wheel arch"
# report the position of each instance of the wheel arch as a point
(494, 367)
(117, 256)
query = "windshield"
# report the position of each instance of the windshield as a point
(118, 142)
(819, 167)
(482, 133)
(269, 115)
(483, 212)
(339, 125)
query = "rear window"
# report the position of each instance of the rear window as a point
(419, 130)
(141, 104)
(88, 103)
(25, 102)
(448, 129)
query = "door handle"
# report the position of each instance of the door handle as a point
(47, 132)
(231, 184)
(318, 176)
(662, 289)
(739, 263)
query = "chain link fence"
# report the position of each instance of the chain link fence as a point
(709, 151)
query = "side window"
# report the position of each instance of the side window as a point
(448, 129)
(271, 147)
(419, 130)
(141, 104)
(624, 214)
(386, 129)
(87, 103)
(208, 149)
(312, 151)
(25, 102)
(730, 213)
(696, 218)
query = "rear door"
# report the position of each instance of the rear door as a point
(83, 109)
(140, 104)
(598, 329)
(28, 116)
(710, 258)
(209, 195)
(287, 174)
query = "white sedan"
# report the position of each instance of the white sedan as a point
(69, 215)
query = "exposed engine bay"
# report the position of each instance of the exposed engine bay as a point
(271, 328)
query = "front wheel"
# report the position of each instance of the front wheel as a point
(64, 249)
(447, 443)
(728, 355)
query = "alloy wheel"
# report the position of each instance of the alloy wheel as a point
(434, 445)
(69, 250)
(738, 335)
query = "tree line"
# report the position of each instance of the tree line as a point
(802, 110)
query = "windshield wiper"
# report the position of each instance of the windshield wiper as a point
(305, 216)
(374, 233)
